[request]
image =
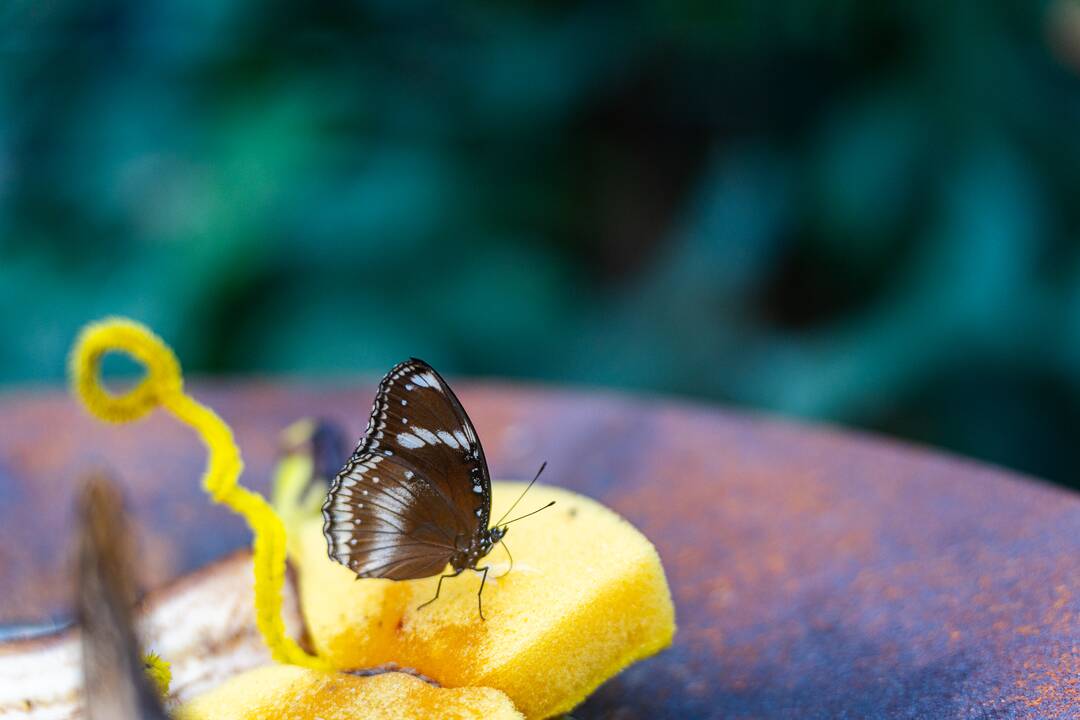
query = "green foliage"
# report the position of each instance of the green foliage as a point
(861, 212)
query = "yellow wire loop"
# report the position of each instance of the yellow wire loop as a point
(163, 385)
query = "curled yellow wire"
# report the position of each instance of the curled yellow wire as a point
(163, 385)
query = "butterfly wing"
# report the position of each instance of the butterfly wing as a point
(417, 488)
(383, 520)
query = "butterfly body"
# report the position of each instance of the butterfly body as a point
(480, 545)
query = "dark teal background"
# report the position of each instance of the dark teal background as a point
(861, 212)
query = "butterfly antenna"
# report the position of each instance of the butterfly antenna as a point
(535, 478)
(528, 514)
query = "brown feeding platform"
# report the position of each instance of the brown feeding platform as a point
(816, 573)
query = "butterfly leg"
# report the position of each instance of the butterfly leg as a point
(438, 588)
(480, 593)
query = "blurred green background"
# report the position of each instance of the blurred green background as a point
(865, 213)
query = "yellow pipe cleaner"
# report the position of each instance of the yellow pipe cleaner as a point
(159, 672)
(163, 385)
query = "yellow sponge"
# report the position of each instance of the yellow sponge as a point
(288, 691)
(587, 596)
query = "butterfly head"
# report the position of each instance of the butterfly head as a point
(488, 539)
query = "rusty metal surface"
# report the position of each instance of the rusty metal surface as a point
(817, 574)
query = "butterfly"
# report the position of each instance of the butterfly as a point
(416, 494)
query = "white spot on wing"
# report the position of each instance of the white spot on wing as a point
(447, 438)
(460, 436)
(425, 435)
(408, 440)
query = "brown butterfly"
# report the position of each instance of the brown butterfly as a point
(416, 494)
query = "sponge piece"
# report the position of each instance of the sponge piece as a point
(586, 597)
(287, 691)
